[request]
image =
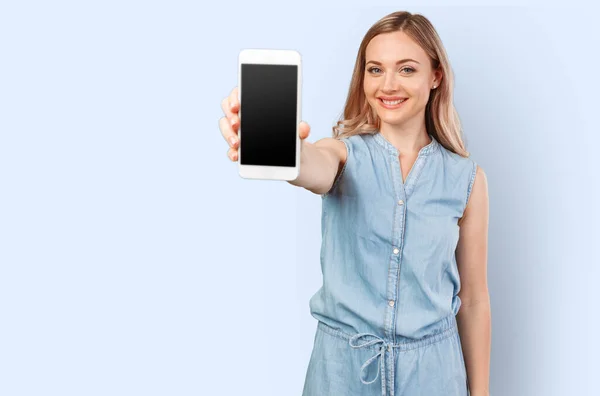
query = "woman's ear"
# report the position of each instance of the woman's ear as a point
(438, 77)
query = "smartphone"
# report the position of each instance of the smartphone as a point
(270, 95)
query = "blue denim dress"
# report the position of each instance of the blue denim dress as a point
(386, 310)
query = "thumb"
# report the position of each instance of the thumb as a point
(304, 130)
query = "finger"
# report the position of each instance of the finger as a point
(234, 121)
(232, 154)
(233, 100)
(226, 103)
(304, 130)
(228, 133)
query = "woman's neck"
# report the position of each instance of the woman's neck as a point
(406, 140)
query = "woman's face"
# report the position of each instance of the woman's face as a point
(411, 79)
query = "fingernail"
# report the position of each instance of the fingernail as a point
(231, 105)
(233, 121)
(232, 140)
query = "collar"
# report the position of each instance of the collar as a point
(432, 147)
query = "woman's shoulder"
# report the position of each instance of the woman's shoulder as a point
(452, 158)
(457, 165)
(357, 142)
(357, 138)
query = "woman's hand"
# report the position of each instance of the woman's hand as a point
(230, 125)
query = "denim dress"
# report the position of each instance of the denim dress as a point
(386, 310)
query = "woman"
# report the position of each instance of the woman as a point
(404, 227)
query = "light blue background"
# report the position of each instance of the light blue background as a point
(135, 261)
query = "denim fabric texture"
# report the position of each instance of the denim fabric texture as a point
(386, 309)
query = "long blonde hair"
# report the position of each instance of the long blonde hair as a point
(441, 118)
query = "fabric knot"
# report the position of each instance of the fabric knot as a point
(359, 341)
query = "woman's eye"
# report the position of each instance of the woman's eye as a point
(410, 69)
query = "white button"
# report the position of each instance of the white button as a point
(401, 202)
(391, 303)
(396, 251)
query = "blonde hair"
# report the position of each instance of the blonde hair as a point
(441, 118)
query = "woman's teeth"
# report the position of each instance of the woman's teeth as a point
(394, 102)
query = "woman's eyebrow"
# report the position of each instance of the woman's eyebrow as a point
(400, 61)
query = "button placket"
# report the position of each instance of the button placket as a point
(401, 221)
(394, 272)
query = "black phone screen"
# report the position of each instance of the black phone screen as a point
(268, 119)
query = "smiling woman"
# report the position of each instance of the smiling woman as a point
(396, 183)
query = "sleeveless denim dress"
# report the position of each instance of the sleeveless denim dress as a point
(386, 310)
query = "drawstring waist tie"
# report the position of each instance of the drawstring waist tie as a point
(383, 347)
(366, 340)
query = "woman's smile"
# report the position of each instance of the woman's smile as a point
(391, 105)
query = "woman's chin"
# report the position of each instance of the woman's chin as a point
(391, 120)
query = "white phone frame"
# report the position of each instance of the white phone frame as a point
(275, 57)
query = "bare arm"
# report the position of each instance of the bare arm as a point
(320, 163)
(474, 316)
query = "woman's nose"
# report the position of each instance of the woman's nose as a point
(390, 83)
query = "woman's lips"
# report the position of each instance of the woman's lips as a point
(391, 107)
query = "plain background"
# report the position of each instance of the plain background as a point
(135, 261)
